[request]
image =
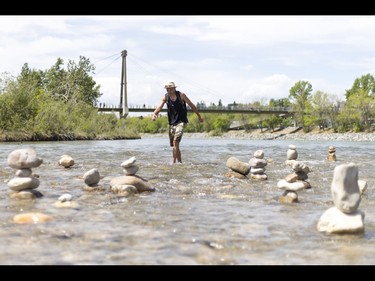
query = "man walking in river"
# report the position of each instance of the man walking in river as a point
(177, 116)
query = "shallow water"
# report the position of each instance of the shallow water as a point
(196, 215)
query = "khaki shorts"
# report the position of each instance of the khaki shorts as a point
(176, 132)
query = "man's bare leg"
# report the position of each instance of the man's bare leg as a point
(176, 152)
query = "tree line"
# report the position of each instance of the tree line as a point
(56, 104)
(356, 113)
(60, 103)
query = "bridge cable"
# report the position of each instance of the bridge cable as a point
(105, 67)
(174, 74)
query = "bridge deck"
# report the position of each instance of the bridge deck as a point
(235, 109)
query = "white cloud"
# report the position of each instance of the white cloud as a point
(211, 58)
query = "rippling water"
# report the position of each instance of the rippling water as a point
(195, 216)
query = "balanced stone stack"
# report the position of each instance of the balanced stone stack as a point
(130, 183)
(294, 182)
(23, 185)
(345, 217)
(257, 166)
(91, 179)
(291, 154)
(238, 169)
(331, 153)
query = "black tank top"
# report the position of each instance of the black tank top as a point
(177, 111)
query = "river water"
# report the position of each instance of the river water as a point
(196, 216)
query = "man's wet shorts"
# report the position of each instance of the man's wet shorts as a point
(176, 132)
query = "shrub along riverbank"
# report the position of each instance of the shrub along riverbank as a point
(290, 133)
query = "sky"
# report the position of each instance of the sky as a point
(212, 59)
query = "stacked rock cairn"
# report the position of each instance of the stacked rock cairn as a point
(331, 153)
(344, 217)
(240, 169)
(24, 183)
(130, 183)
(257, 166)
(295, 181)
(91, 179)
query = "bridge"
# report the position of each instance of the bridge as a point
(123, 109)
(242, 109)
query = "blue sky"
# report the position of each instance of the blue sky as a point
(229, 58)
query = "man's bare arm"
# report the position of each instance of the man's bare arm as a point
(158, 109)
(192, 106)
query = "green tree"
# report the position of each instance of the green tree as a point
(347, 119)
(309, 118)
(75, 83)
(280, 102)
(365, 82)
(299, 95)
(5, 79)
(274, 120)
(21, 100)
(55, 104)
(363, 103)
(321, 107)
(53, 80)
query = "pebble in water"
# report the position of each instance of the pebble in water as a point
(66, 161)
(66, 201)
(32, 218)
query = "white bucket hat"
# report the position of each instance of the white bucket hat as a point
(170, 85)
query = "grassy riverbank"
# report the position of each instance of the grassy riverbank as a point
(25, 136)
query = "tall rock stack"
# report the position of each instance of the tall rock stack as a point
(345, 217)
(24, 183)
(257, 166)
(331, 153)
(294, 182)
